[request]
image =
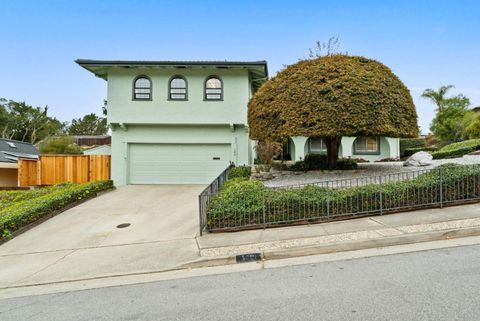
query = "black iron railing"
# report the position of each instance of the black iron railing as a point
(206, 195)
(259, 206)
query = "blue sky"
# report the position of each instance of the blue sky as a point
(426, 43)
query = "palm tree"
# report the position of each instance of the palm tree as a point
(437, 97)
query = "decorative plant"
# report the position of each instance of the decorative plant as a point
(266, 151)
(332, 96)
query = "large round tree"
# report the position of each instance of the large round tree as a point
(331, 97)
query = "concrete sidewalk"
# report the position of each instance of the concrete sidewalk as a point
(98, 263)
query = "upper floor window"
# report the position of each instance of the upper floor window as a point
(317, 145)
(213, 88)
(366, 145)
(142, 88)
(177, 88)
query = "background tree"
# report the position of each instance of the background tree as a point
(452, 118)
(472, 125)
(23, 122)
(330, 97)
(437, 96)
(90, 124)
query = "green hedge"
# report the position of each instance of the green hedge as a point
(457, 149)
(241, 202)
(411, 143)
(25, 207)
(411, 151)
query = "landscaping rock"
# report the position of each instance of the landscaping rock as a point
(419, 159)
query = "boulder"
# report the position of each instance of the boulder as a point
(419, 159)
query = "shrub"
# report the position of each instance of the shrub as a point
(388, 159)
(267, 150)
(316, 161)
(59, 145)
(411, 143)
(360, 160)
(411, 151)
(242, 202)
(240, 171)
(28, 208)
(319, 162)
(457, 149)
(299, 166)
(346, 163)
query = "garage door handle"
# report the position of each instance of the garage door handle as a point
(216, 158)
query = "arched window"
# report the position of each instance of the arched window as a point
(142, 88)
(366, 145)
(213, 88)
(177, 88)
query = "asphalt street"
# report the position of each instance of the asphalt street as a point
(432, 285)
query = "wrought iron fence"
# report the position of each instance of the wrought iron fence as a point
(258, 206)
(206, 195)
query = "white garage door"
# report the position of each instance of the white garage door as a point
(177, 164)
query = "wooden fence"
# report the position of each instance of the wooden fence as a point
(54, 169)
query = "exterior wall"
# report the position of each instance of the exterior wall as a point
(231, 110)
(8, 177)
(236, 136)
(389, 147)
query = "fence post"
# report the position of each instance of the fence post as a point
(381, 195)
(328, 202)
(201, 213)
(441, 186)
(263, 208)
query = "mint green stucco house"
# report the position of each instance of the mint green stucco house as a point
(183, 122)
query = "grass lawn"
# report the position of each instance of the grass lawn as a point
(19, 208)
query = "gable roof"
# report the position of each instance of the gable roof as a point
(258, 69)
(12, 150)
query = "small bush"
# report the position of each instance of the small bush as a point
(267, 151)
(457, 149)
(388, 159)
(411, 143)
(359, 160)
(319, 162)
(240, 171)
(411, 151)
(316, 161)
(299, 166)
(346, 163)
(26, 208)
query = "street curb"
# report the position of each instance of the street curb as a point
(278, 254)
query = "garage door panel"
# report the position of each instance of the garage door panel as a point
(176, 164)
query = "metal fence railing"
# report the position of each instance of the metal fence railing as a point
(206, 195)
(259, 206)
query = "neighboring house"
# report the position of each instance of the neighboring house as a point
(98, 150)
(10, 152)
(181, 122)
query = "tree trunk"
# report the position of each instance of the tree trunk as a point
(333, 144)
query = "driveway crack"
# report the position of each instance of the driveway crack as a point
(42, 269)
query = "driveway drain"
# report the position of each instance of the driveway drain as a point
(123, 225)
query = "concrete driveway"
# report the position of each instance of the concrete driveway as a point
(84, 242)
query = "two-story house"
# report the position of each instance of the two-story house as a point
(177, 122)
(183, 122)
